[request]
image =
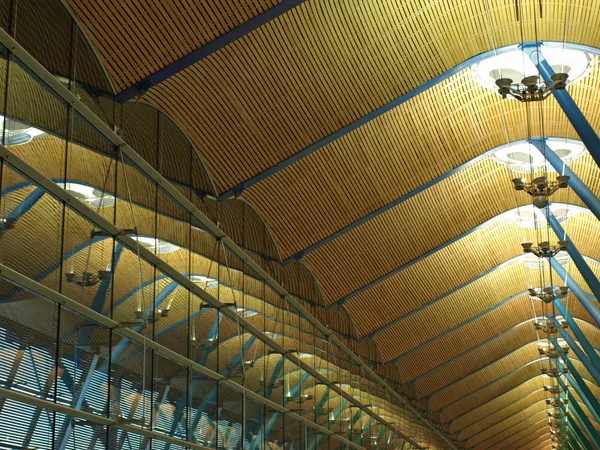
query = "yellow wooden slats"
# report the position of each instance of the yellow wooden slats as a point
(138, 38)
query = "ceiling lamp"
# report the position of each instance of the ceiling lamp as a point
(550, 326)
(544, 249)
(549, 294)
(531, 88)
(523, 157)
(552, 352)
(540, 188)
(518, 72)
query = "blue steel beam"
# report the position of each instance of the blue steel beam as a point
(583, 419)
(579, 335)
(566, 102)
(586, 302)
(582, 191)
(575, 379)
(386, 207)
(384, 109)
(414, 261)
(593, 371)
(577, 258)
(208, 49)
(77, 402)
(579, 435)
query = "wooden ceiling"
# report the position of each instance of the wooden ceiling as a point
(425, 281)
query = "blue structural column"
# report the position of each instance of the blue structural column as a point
(587, 303)
(566, 102)
(580, 386)
(584, 420)
(579, 335)
(581, 356)
(582, 266)
(582, 191)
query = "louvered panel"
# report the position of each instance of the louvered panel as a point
(489, 392)
(138, 38)
(311, 71)
(479, 367)
(504, 429)
(518, 404)
(467, 337)
(495, 405)
(436, 274)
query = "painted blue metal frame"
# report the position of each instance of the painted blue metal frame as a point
(579, 335)
(208, 49)
(386, 108)
(577, 291)
(577, 258)
(583, 419)
(481, 368)
(387, 207)
(409, 264)
(582, 126)
(582, 191)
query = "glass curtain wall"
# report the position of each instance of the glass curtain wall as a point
(128, 319)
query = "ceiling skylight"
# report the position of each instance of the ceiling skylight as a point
(523, 157)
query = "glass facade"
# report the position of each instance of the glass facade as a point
(136, 311)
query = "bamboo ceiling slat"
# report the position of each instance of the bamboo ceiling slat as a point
(469, 336)
(480, 367)
(539, 396)
(538, 433)
(137, 39)
(507, 427)
(311, 71)
(495, 405)
(381, 161)
(436, 275)
(490, 392)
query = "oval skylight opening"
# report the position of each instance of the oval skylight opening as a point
(523, 157)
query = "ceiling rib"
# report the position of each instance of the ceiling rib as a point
(208, 49)
(385, 208)
(481, 368)
(237, 190)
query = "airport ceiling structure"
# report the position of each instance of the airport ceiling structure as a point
(370, 139)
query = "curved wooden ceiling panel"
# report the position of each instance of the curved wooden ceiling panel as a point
(138, 38)
(317, 68)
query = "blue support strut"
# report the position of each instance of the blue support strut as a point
(566, 102)
(582, 191)
(587, 303)
(579, 335)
